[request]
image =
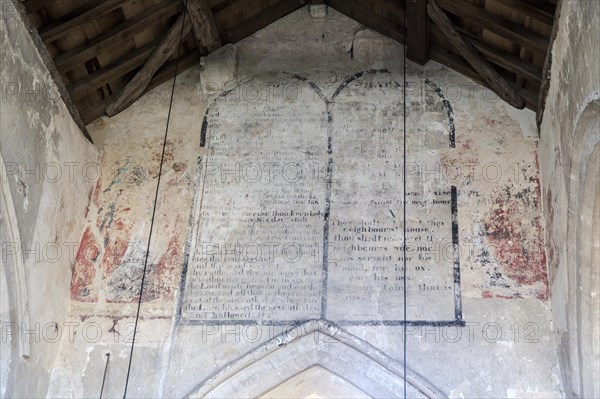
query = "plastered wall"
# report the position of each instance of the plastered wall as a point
(570, 133)
(47, 176)
(515, 217)
(501, 342)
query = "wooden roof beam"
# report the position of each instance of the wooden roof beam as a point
(260, 20)
(514, 32)
(88, 50)
(530, 10)
(87, 13)
(114, 70)
(457, 63)
(470, 54)
(418, 32)
(508, 61)
(205, 28)
(498, 57)
(136, 87)
(184, 62)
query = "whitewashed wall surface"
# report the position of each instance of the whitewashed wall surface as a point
(278, 265)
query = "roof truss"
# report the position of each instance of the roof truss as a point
(107, 53)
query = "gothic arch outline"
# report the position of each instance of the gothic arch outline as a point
(328, 101)
(296, 342)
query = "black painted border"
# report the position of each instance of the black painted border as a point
(459, 322)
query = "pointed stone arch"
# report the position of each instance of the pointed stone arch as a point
(316, 343)
(316, 382)
(582, 344)
(12, 262)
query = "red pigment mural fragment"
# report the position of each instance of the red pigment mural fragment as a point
(85, 268)
(518, 241)
(97, 192)
(162, 277)
(114, 253)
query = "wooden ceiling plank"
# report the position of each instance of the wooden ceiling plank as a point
(370, 19)
(204, 26)
(457, 63)
(260, 20)
(418, 32)
(70, 59)
(502, 58)
(529, 10)
(510, 31)
(547, 7)
(183, 63)
(87, 13)
(508, 61)
(112, 71)
(470, 54)
(136, 87)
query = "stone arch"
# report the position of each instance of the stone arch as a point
(316, 382)
(13, 285)
(583, 254)
(14, 269)
(316, 343)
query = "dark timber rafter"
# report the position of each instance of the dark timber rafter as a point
(205, 28)
(207, 39)
(371, 19)
(107, 53)
(115, 70)
(135, 88)
(418, 34)
(469, 53)
(115, 36)
(260, 20)
(86, 13)
(514, 32)
(165, 73)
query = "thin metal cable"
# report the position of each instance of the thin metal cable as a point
(404, 335)
(162, 158)
(104, 377)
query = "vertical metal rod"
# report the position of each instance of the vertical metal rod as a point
(162, 159)
(104, 377)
